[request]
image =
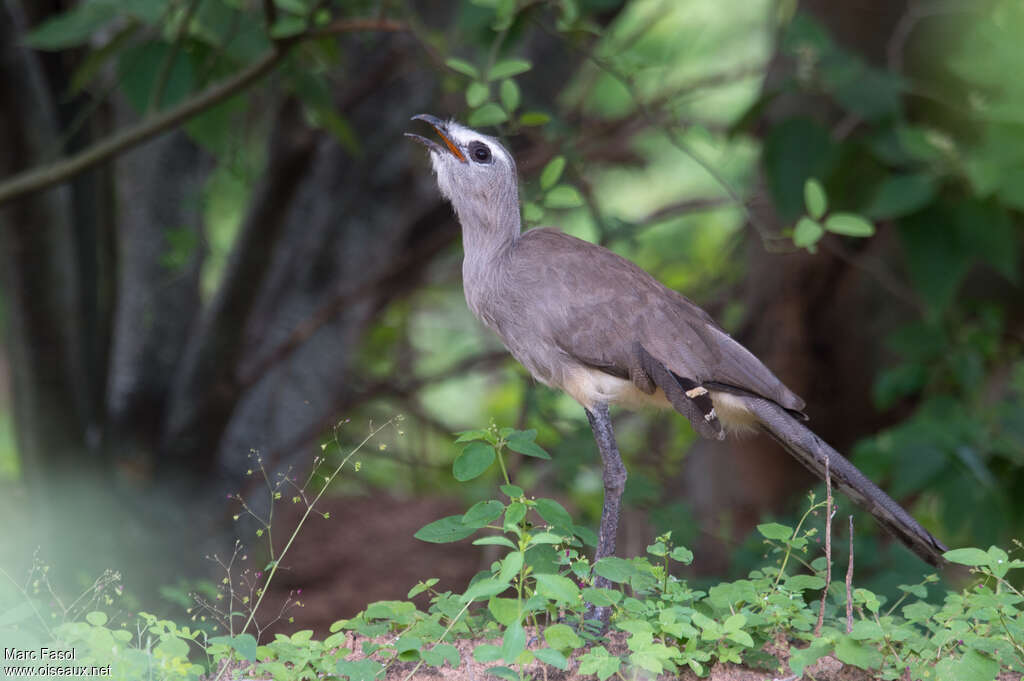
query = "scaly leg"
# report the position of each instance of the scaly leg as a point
(614, 483)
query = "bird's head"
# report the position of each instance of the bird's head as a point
(474, 171)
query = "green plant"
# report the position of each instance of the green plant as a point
(533, 602)
(531, 609)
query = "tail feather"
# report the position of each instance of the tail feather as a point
(812, 452)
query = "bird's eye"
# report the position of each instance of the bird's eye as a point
(479, 152)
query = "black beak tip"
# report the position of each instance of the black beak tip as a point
(432, 120)
(429, 144)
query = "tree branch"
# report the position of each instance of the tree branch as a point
(61, 171)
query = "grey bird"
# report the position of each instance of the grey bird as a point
(587, 321)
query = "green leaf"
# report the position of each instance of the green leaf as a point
(800, 659)
(484, 588)
(969, 556)
(287, 26)
(510, 96)
(554, 513)
(867, 630)
(489, 114)
(602, 597)
(244, 644)
(508, 68)
(139, 66)
(804, 582)
(522, 441)
(360, 670)
(741, 637)
(849, 224)
(658, 549)
(562, 637)
(552, 172)
(552, 657)
(513, 643)
(863, 655)
(901, 195)
(563, 196)
(614, 569)
(546, 538)
(734, 622)
(815, 199)
(807, 233)
(506, 673)
(496, 540)
(467, 435)
(973, 666)
(532, 212)
(532, 118)
(558, 588)
(998, 561)
(477, 93)
(511, 491)
(775, 531)
(476, 458)
(72, 28)
(96, 618)
(444, 530)
(92, 64)
(919, 590)
(487, 653)
(504, 610)
(420, 588)
(599, 662)
(511, 564)
(483, 513)
(586, 535)
(463, 67)
(441, 653)
(681, 554)
(514, 513)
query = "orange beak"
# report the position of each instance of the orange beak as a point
(440, 126)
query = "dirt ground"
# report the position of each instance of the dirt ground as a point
(366, 552)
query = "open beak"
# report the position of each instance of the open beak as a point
(440, 127)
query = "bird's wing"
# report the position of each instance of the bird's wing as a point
(599, 308)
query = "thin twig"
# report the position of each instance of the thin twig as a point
(47, 176)
(828, 548)
(849, 584)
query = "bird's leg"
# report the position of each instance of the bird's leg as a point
(614, 483)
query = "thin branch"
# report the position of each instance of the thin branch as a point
(849, 584)
(828, 548)
(673, 136)
(105, 149)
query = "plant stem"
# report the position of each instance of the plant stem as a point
(309, 509)
(501, 462)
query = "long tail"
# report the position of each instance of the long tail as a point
(812, 452)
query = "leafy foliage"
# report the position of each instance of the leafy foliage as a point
(536, 601)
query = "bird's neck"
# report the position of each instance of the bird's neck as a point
(489, 228)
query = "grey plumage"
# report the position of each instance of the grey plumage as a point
(587, 321)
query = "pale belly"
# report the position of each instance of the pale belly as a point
(590, 386)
